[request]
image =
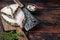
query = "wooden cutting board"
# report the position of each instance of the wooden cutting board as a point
(8, 27)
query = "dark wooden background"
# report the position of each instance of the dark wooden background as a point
(42, 31)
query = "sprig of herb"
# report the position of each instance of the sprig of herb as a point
(10, 35)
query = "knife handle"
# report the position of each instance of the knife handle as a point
(19, 3)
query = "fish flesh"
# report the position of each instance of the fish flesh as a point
(19, 17)
(31, 7)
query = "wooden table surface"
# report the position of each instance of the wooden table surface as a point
(43, 31)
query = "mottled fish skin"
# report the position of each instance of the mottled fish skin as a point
(31, 20)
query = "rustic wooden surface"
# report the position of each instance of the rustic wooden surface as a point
(42, 31)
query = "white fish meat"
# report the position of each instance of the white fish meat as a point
(31, 7)
(19, 17)
(7, 9)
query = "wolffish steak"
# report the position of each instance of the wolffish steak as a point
(9, 11)
(19, 17)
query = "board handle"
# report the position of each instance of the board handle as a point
(19, 3)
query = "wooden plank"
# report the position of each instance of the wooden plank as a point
(6, 26)
(18, 29)
(1, 25)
